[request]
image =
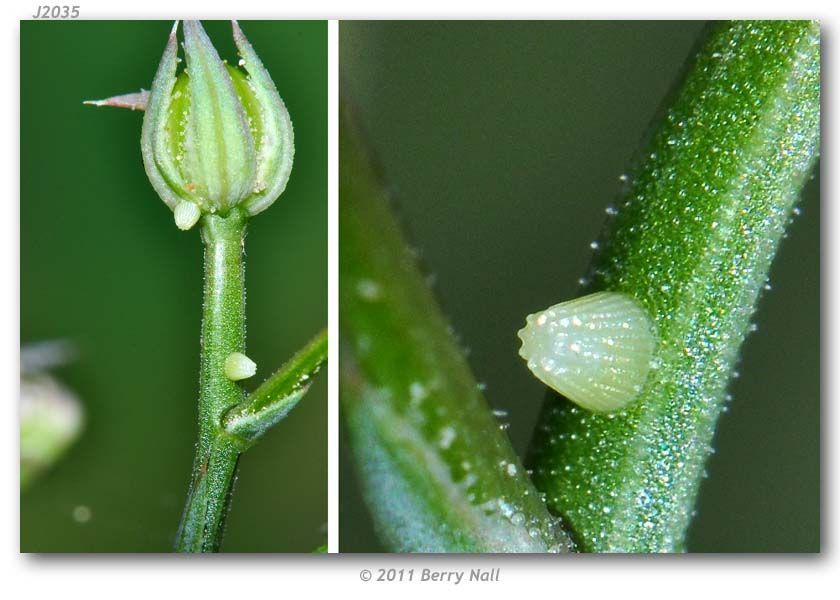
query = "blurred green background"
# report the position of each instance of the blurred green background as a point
(502, 144)
(103, 265)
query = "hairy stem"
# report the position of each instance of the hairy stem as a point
(693, 242)
(438, 473)
(222, 333)
(279, 394)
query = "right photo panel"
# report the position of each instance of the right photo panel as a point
(579, 286)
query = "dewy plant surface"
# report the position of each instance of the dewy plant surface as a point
(437, 469)
(692, 241)
(217, 145)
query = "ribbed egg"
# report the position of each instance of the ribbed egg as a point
(596, 350)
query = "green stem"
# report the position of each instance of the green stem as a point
(271, 402)
(438, 473)
(693, 242)
(222, 332)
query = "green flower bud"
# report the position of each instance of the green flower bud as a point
(214, 136)
(51, 416)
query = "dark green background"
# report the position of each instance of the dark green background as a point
(102, 264)
(502, 144)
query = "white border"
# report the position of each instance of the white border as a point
(435, 9)
(576, 577)
(332, 301)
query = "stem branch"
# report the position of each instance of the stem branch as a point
(271, 402)
(438, 473)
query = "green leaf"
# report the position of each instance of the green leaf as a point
(279, 394)
(437, 471)
(692, 243)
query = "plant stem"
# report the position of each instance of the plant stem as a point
(693, 242)
(222, 333)
(271, 402)
(438, 473)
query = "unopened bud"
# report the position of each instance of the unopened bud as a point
(214, 136)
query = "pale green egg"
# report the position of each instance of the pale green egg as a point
(238, 367)
(596, 350)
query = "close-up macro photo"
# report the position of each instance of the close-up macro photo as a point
(563, 337)
(421, 300)
(146, 423)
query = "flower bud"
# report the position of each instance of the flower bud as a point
(51, 416)
(214, 136)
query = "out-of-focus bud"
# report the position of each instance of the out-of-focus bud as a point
(51, 416)
(214, 136)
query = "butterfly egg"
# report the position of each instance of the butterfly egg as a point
(186, 215)
(238, 366)
(595, 350)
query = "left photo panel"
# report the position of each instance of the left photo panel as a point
(158, 159)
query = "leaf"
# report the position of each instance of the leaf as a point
(437, 471)
(271, 402)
